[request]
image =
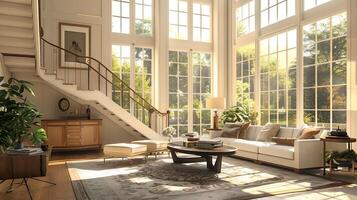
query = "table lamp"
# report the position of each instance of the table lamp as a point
(215, 103)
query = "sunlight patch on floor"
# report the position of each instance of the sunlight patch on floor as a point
(95, 173)
(275, 188)
(141, 180)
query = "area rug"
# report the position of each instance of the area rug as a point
(162, 179)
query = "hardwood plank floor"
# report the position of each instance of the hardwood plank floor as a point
(57, 173)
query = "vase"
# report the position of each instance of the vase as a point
(19, 145)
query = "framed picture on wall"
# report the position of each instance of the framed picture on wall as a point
(76, 40)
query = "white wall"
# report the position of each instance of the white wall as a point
(46, 101)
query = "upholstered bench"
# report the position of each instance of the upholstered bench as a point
(124, 150)
(153, 147)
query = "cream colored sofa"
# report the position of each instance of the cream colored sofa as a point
(305, 154)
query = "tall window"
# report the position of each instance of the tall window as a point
(143, 17)
(121, 67)
(201, 63)
(137, 76)
(178, 18)
(245, 18)
(187, 101)
(278, 79)
(201, 22)
(140, 20)
(121, 16)
(143, 72)
(308, 4)
(245, 73)
(178, 90)
(273, 11)
(325, 86)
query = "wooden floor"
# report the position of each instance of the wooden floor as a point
(57, 173)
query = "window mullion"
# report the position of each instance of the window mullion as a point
(190, 92)
(132, 17)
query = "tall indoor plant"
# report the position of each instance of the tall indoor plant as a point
(18, 116)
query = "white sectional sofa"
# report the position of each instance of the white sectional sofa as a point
(305, 154)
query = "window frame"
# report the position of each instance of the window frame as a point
(300, 19)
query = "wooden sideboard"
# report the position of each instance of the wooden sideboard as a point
(73, 134)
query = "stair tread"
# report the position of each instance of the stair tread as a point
(16, 21)
(17, 42)
(15, 9)
(17, 50)
(27, 2)
(17, 32)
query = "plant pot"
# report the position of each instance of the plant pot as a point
(44, 147)
(19, 145)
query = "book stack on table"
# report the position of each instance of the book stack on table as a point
(24, 151)
(209, 144)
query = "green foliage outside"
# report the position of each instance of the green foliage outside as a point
(244, 110)
(142, 87)
(18, 116)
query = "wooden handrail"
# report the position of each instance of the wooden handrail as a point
(106, 79)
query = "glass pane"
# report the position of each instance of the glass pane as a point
(323, 75)
(339, 100)
(323, 98)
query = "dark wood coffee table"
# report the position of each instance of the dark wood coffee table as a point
(202, 155)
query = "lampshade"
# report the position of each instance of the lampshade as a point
(216, 103)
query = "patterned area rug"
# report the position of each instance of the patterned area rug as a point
(161, 179)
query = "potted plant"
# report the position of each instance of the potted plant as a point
(342, 159)
(239, 113)
(169, 132)
(18, 116)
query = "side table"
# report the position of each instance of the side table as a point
(24, 167)
(349, 142)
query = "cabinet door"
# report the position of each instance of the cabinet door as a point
(90, 135)
(56, 137)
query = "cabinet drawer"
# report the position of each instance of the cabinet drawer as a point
(83, 123)
(55, 123)
(71, 123)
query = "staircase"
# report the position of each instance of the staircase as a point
(86, 80)
(17, 36)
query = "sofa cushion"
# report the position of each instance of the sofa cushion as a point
(243, 129)
(309, 133)
(285, 132)
(276, 150)
(297, 132)
(268, 132)
(231, 130)
(284, 141)
(251, 133)
(248, 145)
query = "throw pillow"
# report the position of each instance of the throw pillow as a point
(268, 132)
(243, 130)
(284, 141)
(231, 130)
(309, 133)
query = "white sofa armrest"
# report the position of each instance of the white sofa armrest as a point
(308, 153)
(215, 134)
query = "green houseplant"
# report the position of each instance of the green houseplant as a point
(340, 158)
(239, 113)
(243, 111)
(18, 116)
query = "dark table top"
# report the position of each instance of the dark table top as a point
(178, 146)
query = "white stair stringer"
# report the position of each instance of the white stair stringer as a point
(105, 105)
